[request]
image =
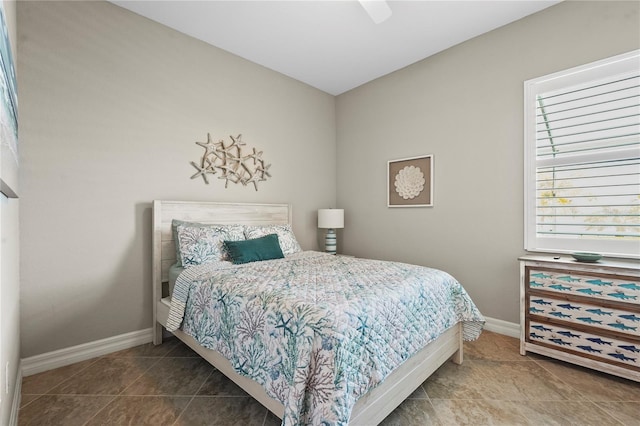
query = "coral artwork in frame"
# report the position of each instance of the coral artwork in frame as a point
(410, 182)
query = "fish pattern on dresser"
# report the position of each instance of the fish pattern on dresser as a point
(606, 348)
(584, 285)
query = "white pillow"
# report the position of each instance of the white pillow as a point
(287, 239)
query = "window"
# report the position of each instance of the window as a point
(582, 159)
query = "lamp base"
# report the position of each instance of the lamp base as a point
(330, 241)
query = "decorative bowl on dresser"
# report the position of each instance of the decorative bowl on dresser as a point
(584, 313)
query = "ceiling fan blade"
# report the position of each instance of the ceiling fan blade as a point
(378, 10)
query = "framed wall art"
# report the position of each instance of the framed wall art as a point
(8, 114)
(410, 182)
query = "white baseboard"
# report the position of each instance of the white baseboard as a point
(17, 392)
(60, 358)
(510, 329)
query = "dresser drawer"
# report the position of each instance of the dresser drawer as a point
(610, 350)
(586, 314)
(600, 286)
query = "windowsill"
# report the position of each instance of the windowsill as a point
(620, 263)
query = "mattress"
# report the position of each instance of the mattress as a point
(318, 331)
(174, 270)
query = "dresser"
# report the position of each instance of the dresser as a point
(583, 313)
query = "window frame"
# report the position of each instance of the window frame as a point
(615, 65)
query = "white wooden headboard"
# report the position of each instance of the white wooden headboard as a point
(164, 249)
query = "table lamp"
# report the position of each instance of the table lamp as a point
(330, 219)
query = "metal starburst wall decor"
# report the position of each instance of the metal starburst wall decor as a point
(229, 161)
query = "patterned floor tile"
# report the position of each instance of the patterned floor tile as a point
(56, 410)
(476, 412)
(494, 347)
(627, 413)
(219, 385)
(595, 386)
(41, 383)
(223, 411)
(520, 381)
(563, 413)
(106, 376)
(452, 381)
(141, 411)
(412, 412)
(172, 376)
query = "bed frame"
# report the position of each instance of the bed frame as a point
(372, 407)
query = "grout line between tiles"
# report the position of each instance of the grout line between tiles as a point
(193, 397)
(577, 390)
(599, 408)
(100, 410)
(264, 418)
(66, 379)
(142, 374)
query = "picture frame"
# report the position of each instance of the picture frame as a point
(410, 182)
(8, 114)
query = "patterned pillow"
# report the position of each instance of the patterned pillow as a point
(203, 244)
(288, 242)
(235, 232)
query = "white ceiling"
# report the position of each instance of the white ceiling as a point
(333, 45)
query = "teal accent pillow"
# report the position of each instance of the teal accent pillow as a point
(254, 250)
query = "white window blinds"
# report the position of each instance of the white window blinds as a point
(582, 155)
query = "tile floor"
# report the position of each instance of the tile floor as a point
(170, 385)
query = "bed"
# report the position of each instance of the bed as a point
(351, 396)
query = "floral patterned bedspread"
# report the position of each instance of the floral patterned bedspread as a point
(317, 331)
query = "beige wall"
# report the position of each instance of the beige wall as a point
(464, 106)
(9, 267)
(111, 104)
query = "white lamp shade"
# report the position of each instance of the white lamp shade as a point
(330, 218)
